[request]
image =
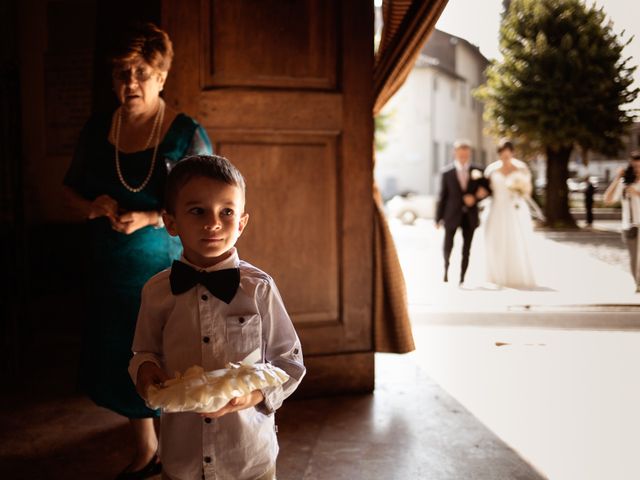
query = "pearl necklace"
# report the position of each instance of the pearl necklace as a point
(156, 130)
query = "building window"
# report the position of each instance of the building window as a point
(463, 94)
(435, 164)
(484, 157)
(435, 83)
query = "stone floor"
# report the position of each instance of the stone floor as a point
(408, 429)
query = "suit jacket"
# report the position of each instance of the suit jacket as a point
(451, 207)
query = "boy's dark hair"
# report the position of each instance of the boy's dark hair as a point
(214, 167)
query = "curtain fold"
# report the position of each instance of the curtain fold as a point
(406, 26)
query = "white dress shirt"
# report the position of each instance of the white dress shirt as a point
(463, 174)
(630, 204)
(196, 328)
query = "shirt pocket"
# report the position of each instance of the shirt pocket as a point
(244, 335)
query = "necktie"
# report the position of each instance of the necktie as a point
(463, 175)
(222, 284)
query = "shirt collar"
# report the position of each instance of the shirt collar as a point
(460, 167)
(232, 261)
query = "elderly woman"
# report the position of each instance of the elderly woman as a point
(116, 181)
(626, 188)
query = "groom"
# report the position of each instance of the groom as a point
(463, 186)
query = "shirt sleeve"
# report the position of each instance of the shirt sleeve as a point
(282, 347)
(147, 341)
(200, 143)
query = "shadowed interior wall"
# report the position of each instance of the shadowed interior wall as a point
(284, 90)
(59, 44)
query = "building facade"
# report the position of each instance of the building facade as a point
(433, 108)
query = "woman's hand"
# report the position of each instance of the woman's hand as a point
(130, 222)
(149, 374)
(103, 206)
(482, 193)
(238, 403)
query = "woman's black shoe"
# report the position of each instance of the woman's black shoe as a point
(154, 467)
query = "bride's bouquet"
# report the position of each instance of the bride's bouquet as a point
(519, 183)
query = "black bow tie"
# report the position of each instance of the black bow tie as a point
(221, 283)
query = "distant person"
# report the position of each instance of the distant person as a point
(625, 188)
(463, 186)
(209, 309)
(116, 183)
(508, 227)
(589, 192)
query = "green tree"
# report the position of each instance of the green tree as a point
(563, 82)
(382, 123)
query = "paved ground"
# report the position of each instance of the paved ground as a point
(553, 371)
(568, 273)
(603, 242)
(408, 429)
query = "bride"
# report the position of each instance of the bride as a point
(508, 226)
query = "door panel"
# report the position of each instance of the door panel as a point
(284, 89)
(299, 35)
(300, 243)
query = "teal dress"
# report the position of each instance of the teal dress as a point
(119, 264)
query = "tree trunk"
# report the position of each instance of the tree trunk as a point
(557, 195)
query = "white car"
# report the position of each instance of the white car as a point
(408, 208)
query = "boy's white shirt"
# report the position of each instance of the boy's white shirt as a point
(195, 328)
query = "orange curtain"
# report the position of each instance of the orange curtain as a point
(406, 27)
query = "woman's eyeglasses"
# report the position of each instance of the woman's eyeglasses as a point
(139, 74)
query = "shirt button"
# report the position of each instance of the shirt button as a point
(241, 319)
(207, 420)
(207, 459)
(205, 339)
(204, 297)
(296, 351)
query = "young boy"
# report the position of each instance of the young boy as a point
(211, 308)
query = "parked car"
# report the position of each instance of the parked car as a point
(410, 206)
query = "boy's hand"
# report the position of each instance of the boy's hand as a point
(149, 374)
(238, 403)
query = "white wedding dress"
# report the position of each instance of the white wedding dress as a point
(508, 228)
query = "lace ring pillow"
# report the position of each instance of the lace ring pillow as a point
(198, 391)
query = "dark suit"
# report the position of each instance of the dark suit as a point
(452, 211)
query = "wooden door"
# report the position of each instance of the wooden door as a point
(284, 89)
